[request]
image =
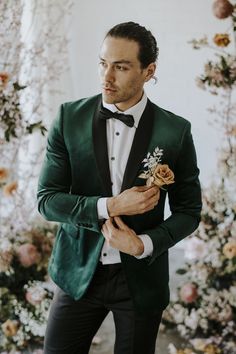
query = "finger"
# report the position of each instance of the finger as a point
(110, 224)
(119, 222)
(150, 203)
(141, 188)
(152, 191)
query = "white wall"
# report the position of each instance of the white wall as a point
(174, 23)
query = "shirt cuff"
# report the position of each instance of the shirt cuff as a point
(102, 208)
(148, 246)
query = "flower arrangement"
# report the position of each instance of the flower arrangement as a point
(25, 289)
(204, 308)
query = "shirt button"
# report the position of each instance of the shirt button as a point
(112, 158)
(117, 133)
(104, 254)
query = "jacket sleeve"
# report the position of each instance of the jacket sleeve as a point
(184, 199)
(55, 201)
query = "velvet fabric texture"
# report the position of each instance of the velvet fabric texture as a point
(75, 174)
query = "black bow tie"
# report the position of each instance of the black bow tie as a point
(128, 119)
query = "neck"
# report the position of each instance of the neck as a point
(123, 106)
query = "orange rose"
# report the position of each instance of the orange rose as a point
(222, 40)
(3, 174)
(10, 328)
(10, 188)
(163, 175)
(4, 78)
(229, 249)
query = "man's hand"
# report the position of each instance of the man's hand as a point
(122, 237)
(136, 200)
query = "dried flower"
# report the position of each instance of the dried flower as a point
(5, 260)
(3, 174)
(157, 174)
(4, 78)
(10, 327)
(231, 130)
(212, 349)
(222, 9)
(28, 255)
(10, 188)
(229, 249)
(163, 175)
(221, 40)
(188, 293)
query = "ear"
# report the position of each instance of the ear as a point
(150, 71)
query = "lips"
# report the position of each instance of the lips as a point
(109, 89)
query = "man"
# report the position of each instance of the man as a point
(111, 250)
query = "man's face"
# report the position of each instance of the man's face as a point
(120, 71)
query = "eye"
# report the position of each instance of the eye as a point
(102, 64)
(121, 68)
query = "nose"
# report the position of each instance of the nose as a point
(109, 74)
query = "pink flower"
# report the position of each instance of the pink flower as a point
(222, 9)
(188, 293)
(28, 255)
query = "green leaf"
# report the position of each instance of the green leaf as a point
(18, 87)
(181, 271)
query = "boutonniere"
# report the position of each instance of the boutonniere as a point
(155, 172)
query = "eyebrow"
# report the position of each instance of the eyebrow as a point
(122, 61)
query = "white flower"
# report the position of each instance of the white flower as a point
(192, 320)
(195, 248)
(200, 343)
(182, 330)
(172, 349)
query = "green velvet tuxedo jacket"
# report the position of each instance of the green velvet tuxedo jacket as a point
(75, 174)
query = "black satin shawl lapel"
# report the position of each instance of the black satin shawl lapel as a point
(139, 147)
(100, 150)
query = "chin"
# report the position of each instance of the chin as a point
(109, 99)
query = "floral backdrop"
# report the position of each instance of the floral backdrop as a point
(204, 308)
(28, 75)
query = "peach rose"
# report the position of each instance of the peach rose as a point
(10, 328)
(222, 8)
(163, 175)
(10, 188)
(4, 78)
(28, 255)
(229, 249)
(3, 174)
(222, 40)
(188, 293)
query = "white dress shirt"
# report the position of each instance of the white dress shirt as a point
(119, 141)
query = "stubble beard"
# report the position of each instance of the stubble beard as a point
(119, 98)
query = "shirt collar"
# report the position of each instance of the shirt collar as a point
(136, 110)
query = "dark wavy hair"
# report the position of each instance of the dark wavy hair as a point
(148, 50)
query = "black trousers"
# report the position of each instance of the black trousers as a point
(72, 324)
